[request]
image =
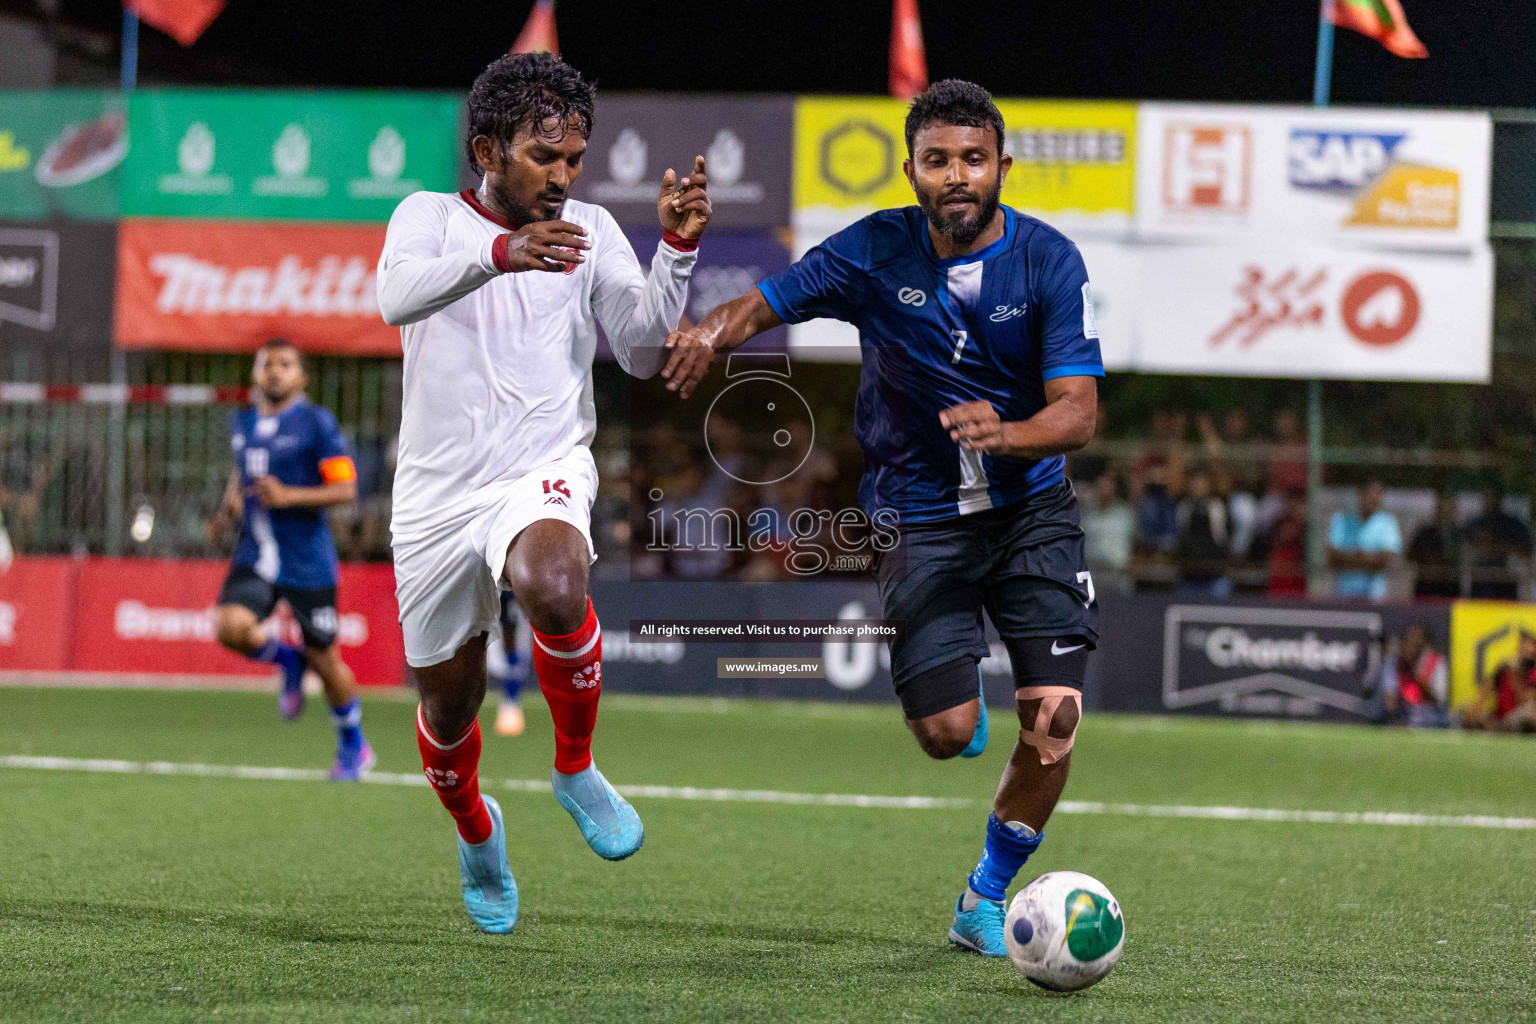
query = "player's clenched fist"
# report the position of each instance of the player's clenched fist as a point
(684, 205)
(976, 426)
(553, 245)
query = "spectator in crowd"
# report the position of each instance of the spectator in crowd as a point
(1361, 546)
(1434, 553)
(1108, 530)
(23, 481)
(1242, 510)
(1414, 682)
(1283, 549)
(1498, 549)
(1202, 548)
(1286, 469)
(1506, 700)
(1157, 513)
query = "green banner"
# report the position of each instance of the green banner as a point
(60, 152)
(341, 156)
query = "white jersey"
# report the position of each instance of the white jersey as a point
(498, 367)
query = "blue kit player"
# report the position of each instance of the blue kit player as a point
(980, 371)
(290, 465)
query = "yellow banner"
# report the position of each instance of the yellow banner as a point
(1073, 158)
(1484, 635)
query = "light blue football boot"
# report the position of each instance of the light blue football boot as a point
(490, 893)
(607, 822)
(978, 744)
(979, 929)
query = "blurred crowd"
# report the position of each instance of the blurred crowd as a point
(1221, 509)
(1413, 688)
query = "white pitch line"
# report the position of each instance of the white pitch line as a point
(772, 796)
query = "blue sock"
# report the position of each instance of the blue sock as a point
(275, 652)
(348, 720)
(512, 687)
(1005, 852)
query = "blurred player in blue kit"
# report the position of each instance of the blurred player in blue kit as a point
(980, 371)
(290, 465)
(506, 662)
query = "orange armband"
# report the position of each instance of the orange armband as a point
(337, 469)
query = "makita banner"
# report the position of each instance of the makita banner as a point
(60, 153)
(1413, 179)
(56, 283)
(227, 287)
(1161, 653)
(335, 156)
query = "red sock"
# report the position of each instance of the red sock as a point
(453, 769)
(570, 671)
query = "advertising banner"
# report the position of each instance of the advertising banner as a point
(1249, 658)
(60, 152)
(745, 143)
(1315, 312)
(34, 626)
(272, 155)
(1415, 179)
(1484, 635)
(56, 283)
(1073, 161)
(153, 615)
(228, 287)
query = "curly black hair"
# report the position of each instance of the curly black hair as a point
(957, 102)
(529, 92)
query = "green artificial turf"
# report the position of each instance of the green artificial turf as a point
(137, 897)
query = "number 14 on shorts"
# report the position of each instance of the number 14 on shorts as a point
(556, 488)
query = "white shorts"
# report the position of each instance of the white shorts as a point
(447, 573)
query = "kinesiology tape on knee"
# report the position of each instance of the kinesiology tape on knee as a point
(1051, 748)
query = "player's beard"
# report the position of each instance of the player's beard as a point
(521, 215)
(956, 225)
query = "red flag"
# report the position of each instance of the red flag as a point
(182, 20)
(909, 64)
(538, 34)
(1382, 20)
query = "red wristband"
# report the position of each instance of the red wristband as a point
(499, 255)
(678, 242)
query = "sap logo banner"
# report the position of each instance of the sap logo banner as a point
(1289, 662)
(1338, 162)
(1364, 166)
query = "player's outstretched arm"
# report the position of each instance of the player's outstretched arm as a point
(1064, 425)
(725, 327)
(273, 493)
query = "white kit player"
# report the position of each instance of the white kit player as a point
(498, 303)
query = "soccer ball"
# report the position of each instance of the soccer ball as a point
(1064, 931)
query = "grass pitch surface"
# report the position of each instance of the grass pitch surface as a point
(144, 897)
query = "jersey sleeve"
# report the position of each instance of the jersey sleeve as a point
(331, 454)
(828, 281)
(416, 278)
(637, 311)
(1069, 336)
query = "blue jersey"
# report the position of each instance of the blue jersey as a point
(992, 326)
(302, 447)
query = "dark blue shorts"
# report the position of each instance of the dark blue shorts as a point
(1023, 565)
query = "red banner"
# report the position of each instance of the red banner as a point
(224, 286)
(152, 615)
(34, 614)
